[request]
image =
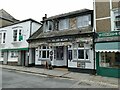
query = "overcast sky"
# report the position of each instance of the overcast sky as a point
(35, 9)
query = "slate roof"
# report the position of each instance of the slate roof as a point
(69, 14)
(39, 34)
(7, 16)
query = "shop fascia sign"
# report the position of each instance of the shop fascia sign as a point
(109, 34)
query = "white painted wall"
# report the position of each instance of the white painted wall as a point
(73, 64)
(35, 26)
(25, 27)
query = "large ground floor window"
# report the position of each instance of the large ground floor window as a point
(78, 52)
(109, 59)
(44, 52)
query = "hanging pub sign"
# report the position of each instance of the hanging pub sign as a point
(109, 34)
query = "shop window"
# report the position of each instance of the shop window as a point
(14, 54)
(109, 59)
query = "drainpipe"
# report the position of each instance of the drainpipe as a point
(28, 55)
(94, 36)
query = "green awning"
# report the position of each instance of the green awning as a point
(14, 49)
(108, 46)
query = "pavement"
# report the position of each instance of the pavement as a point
(81, 77)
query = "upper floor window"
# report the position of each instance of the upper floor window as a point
(48, 26)
(116, 20)
(17, 35)
(83, 21)
(2, 37)
(63, 24)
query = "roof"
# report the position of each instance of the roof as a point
(41, 35)
(69, 14)
(7, 16)
(35, 34)
(23, 21)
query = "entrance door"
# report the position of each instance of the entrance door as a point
(60, 56)
(59, 53)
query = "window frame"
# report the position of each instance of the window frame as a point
(14, 54)
(3, 37)
(41, 50)
(66, 23)
(17, 35)
(115, 28)
(77, 49)
(81, 19)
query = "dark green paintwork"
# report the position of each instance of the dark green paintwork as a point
(104, 71)
(15, 49)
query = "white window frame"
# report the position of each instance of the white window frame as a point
(3, 39)
(40, 49)
(64, 24)
(114, 20)
(18, 35)
(15, 54)
(80, 48)
(82, 20)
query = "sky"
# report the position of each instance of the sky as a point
(36, 9)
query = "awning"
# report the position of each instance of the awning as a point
(107, 47)
(107, 50)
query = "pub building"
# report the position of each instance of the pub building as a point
(66, 40)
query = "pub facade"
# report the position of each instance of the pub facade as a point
(66, 40)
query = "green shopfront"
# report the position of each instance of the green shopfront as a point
(107, 49)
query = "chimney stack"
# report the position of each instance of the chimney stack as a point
(44, 17)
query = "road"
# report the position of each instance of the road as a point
(13, 79)
(18, 79)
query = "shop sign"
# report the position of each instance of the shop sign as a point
(109, 34)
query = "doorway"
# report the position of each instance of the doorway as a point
(60, 56)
